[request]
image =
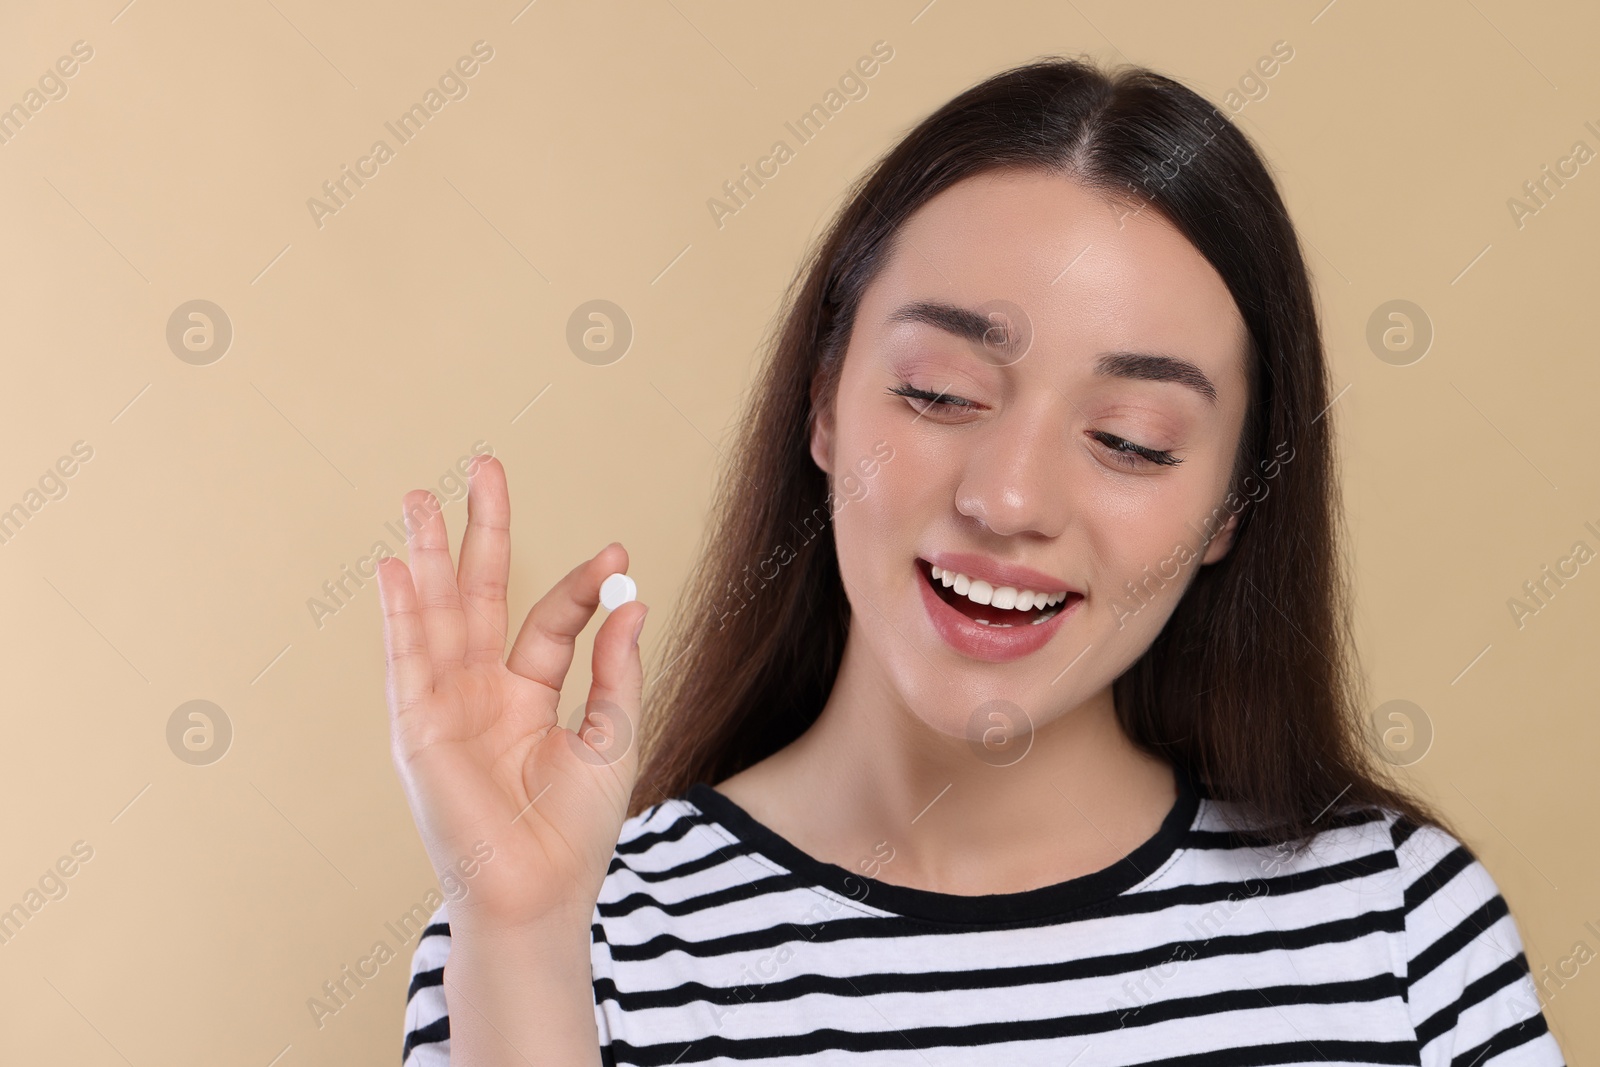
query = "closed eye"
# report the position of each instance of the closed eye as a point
(942, 399)
(1126, 453)
(1125, 448)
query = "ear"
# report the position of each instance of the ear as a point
(1222, 542)
(821, 430)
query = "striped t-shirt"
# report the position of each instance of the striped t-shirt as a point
(716, 941)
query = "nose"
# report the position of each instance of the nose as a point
(1014, 478)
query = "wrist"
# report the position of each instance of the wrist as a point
(522, 997)
(488, 926)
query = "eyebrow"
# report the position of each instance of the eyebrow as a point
(1135, 366)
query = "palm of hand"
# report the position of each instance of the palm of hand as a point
(477, 740)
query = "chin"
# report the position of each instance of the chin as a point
(970, 711)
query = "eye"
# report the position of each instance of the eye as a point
(1130, 455)
(1124, 452)
(930, 400)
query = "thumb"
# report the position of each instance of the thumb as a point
(608, 734)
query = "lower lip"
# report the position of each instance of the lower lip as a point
(993, 644)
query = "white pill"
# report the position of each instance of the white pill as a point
(617, 590)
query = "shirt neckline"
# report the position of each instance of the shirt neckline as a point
(1044, 902)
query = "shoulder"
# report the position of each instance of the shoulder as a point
(1466, 975)
(1451, 901)
(1352, 846)
(661, 823)
(1438, 867)
(1456, 949)
(1392, 864)
(671, 841)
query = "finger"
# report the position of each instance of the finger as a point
(438, 598)
(410, 673)
(610, 728)
(486, 560)
(544, 645)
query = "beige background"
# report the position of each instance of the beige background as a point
(371, 353)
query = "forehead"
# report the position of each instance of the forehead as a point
(1091, 275)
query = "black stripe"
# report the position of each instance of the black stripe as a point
(1404, 1052)
(977, 1034)
(722, 854)
(943, 981)
(1509, 1038)
(1468, 930)
(1290, 1052)
(438, 1030)
(436, 930)
(423, 979)
(1276, 885)
(1267, 839)
(1401, 829)
(775, 883)
(1476, 991)
(1451, 864)
(685, 822)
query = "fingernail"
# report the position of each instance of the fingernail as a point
(639, 628)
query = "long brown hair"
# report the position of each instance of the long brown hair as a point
(1252, 685)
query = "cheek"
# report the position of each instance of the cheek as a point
(1132, 525)
(879, 482)
(1135, 522)
(878, 514)
(1148, 545)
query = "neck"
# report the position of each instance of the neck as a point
(870, 776)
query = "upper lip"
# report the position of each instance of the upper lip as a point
(998, 573)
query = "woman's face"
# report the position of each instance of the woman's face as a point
(1112, 330)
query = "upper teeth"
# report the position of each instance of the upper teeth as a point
(981, 592)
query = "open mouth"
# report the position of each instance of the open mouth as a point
(989, 614)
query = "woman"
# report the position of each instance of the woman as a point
(1012, 715)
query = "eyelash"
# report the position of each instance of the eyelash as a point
(1127, 453)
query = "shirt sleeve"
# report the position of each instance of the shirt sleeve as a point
(1468, 986)
(427, 1026)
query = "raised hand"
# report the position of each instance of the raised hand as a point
(475, 735)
